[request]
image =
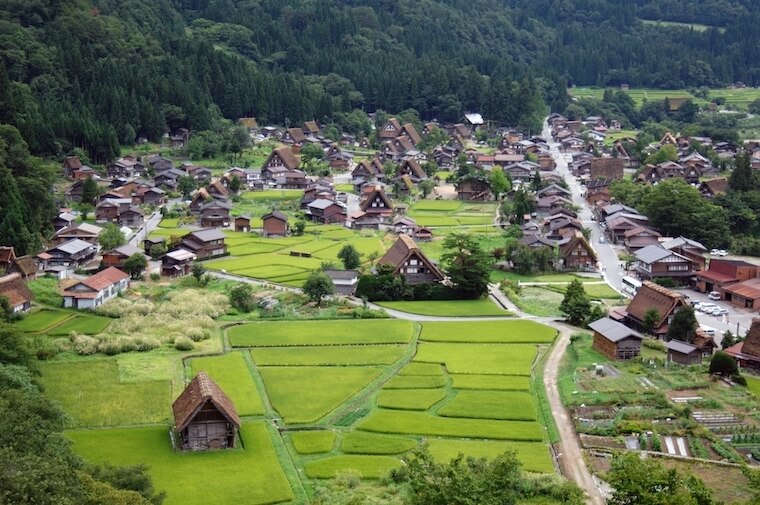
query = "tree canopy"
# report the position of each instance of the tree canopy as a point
(467, 264)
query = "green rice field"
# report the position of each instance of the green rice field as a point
(449, 308)
(313, 442)
(231, 373)
(298, 333)
(502, 332)
(479, 358)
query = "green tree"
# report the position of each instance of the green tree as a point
(651, 317)
(186, 185)
(723, 364)
(198, 272)
(522, 204)
(648, 482)
(741, 176)
(350, 257)
(158, 250)
(684, 325)
(111, 237)
(536, 183)
(317, 286)
(467, 265)
(135, 265)
(668, 152)
(241, 297)
(298, 227)
(312, 152)
(235, 184)
(500, 182)
(426, 187)
(90, 191)
(575, 305)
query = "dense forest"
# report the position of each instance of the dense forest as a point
(97, 74)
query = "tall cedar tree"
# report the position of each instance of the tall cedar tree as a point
(350, 257)
(683, 326)
(467, 264)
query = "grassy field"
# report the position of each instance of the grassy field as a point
(514, 277)
(89, 325)
(753, 384)
(509, 405)
(479, 358)
(410, 399)
(507, 332)
(313, 442)
(306, 394)
(736, 98)
(419, 423)
(495, 382)
(297, 333)
(328, 355)
(534, 456)
(251, 475)
(449, 308)
(443, 214)
(538, 301)
(421, 369)
(594, 291)
(43, 320)
(369, 467)
(415, 382)
(231, 373)
(90, 392)
(359, 442)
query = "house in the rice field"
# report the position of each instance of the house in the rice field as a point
(204, 417)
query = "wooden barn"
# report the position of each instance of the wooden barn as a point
(204, 417)
(615, 340)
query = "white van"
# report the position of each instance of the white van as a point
(713, 295)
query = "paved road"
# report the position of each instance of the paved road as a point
(606, 254)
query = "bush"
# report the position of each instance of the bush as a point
(195, 334)
(109, 348)
(183, 344)
(740, 380)
(143, 344)
(723, 364)
(155, 277)
(83, 344)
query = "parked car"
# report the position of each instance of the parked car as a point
(714, 295)
(718, 252)
(720, 312)
(707, 307)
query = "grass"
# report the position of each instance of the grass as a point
(410, 399)
(89, 325)
(251, 475)
(45, 291)
(534, 456)
(421, 369)
(507, 332)
(90, 392)
(512, 276)
(753, 384)
(306, 394)
(419, 423)
(437, 205)
(43, 320)
(370, 467)
(358, 442)
(479, 358)
(296, 333)
(416, 382)
(511, 405)
(328, 355)
(231, 373)
(594, 291)
(450, 308)
(313, 442)
(538, 301)
(495, 382)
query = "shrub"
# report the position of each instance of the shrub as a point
(83, 344)
(143, 344)
(110, 348)
(155, 277)
(723, 364)
(740, 380)
(195, 334)
(183, 344)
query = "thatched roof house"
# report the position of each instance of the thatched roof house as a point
(205, 417)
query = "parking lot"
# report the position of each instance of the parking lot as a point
(737, 320)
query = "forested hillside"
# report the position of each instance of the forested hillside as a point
(97, 74)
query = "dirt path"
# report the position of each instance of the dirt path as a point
(569, 450)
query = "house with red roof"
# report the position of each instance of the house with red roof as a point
(95, 290)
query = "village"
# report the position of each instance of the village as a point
(137, 240)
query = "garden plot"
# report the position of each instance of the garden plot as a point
(514, 359)
(231, 373)
(506, 332)
(90, 392)
(250, 474)
(299, 333)
(306, 394)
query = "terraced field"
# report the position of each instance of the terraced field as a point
(345, 395)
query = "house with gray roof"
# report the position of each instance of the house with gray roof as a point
(615, 340)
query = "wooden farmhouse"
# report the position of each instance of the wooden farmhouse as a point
(275, 224)
(747, 353)
(683, 353)
(615, 340)
(409, 260)
(651, 296)
(204, 417)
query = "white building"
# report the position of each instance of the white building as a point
(96, 290)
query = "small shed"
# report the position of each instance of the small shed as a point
(243, 223)
(204, 417)
(615, 340)
(683, 353)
